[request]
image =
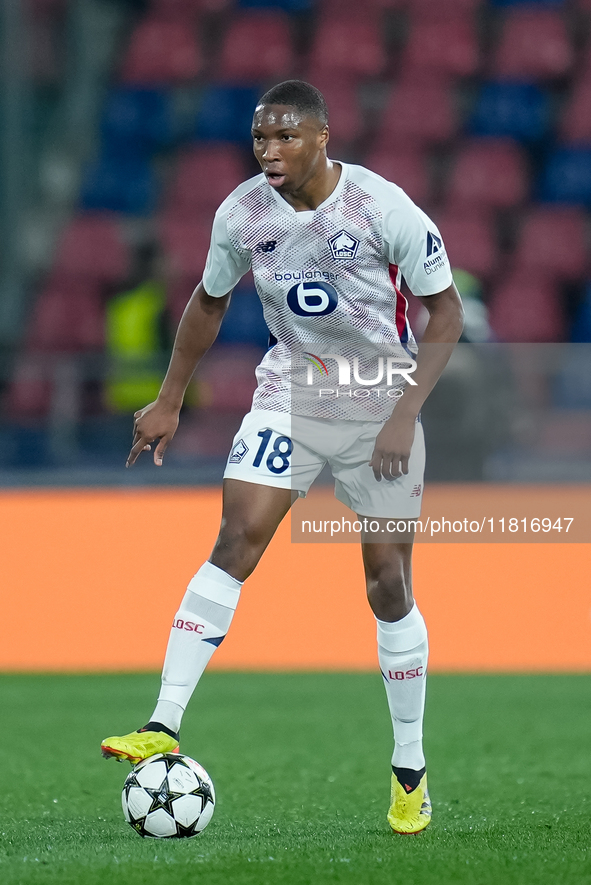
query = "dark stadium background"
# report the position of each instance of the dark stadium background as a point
(122, 127)
(124, 124)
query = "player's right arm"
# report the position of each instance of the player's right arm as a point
(196, 333)
(226, 264)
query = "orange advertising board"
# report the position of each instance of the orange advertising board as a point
(92, 580)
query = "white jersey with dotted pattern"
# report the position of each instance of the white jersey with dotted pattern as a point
(329, 282)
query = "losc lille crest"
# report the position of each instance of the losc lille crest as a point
(343, 246)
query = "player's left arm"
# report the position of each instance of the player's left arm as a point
(394, 441)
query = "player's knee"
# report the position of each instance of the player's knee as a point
(243, 535)
(239, 547)
(389, 594)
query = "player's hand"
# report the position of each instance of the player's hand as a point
(158, 421)
(392, 449)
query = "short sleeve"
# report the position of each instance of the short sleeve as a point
(225, 265)
(415, 245)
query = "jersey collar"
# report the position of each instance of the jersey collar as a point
(330, 199)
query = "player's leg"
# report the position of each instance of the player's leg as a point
(250, 516)
(402, 654)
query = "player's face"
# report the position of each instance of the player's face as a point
(290, 146)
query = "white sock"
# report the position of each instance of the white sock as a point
(199, 626)
(402, 652)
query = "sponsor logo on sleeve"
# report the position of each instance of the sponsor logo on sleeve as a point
(434, 244)
(435, 254)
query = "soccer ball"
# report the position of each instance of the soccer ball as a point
(168, 796)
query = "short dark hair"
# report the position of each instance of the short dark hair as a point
(299, 95)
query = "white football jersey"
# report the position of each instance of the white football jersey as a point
(329, 282)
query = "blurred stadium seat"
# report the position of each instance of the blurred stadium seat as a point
(204, 178)
(567, 177)
(349, 46)
(227, 378)
(442, 10)
(527, 308)
(92, 246)
(443, 45)
(418, 112)
(286, 5)
(29, 393)
(581, 327)
(244, 323)
(45, 60)
(583, 72)
(46, 7)
(575, 123)
(184, 11)
(225, 113)
(215, 5)
(532, 3)
(345, 115)
(119, 184)
(185, 243)
(161, 51)
(257, 47)
(534, 45)
(137, 121)
(572, 390)
(469, 239)
(352, 9)
(489, 172)
(405, 167)
(553, 241)
(517, 110)
(68, 317)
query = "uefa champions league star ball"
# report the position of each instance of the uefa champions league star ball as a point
(168, 796)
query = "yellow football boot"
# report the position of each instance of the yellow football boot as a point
(410, 806)
(140, 744)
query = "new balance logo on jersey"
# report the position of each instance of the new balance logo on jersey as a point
(434, 244)
(238, 452)
(343, 246)
(266, 246)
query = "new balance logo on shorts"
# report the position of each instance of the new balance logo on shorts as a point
(238, 452)
(416, 491)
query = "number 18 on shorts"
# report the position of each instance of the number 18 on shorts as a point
(277, 449)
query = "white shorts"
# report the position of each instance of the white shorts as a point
(288, 452)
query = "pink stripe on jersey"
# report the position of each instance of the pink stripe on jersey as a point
(401, 305)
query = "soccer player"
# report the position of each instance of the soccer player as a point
(327, 243)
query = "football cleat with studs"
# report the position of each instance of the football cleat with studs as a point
(410, 806)
(147, 741)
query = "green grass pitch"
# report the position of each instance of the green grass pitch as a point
(301, 767)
